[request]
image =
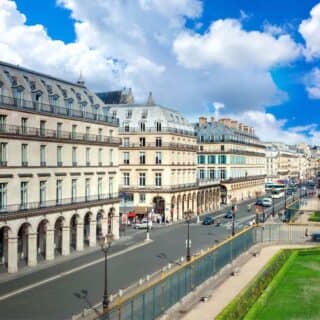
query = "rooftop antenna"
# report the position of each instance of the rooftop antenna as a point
(80, 80)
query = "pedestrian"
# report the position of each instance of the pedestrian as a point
(306, 234)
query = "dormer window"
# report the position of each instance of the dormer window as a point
(18, 94)
(53, 99)
(142, 126)
(144, 114)
(68, 103)
(129, 114)
(114, 114)
(158, 126)
(126, 127)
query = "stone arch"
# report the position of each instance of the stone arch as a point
(74, 221)
(58, 234)
(183, 206)
(159, 206)
(88, 217)
(26, 244)
(42, 239)
(5, 234)
(173, 208)
(101, 220)
(179, 207)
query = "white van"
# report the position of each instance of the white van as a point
(266, 202)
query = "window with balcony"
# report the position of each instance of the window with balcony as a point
(59, 129)
(74, 131)
(142, 197)
(3, 122)
(158, 142)
(111, 186)
(110, 133)
(142, 179)
(42, 155)
(126, 159)
(142, 141)
(24, 125)
(73, 190)
(158, 126)
(126, 179)
(42, 127)
(18, 95)
(142, 157)
(211, 159)
(201, 159)
(24, 155)
(59, 156)
(126, 142)
(87, 189)
(3, 154)
(201, 174)
(212, 174)
(100, 186)
(158, 158)
(23, 194)
(111, 157)
(142, 126)
(129, 114)
(42, 193)
(158, 179)
(59, 192)
(3, 196)
(74, 156)
(88, 156)
(99, 137)
(100, 157)
(126, 127)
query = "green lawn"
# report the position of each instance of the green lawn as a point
(294, 293)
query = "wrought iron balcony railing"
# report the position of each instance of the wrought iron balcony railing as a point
(157, 130)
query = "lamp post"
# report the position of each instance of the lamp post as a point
(148, 225)
(187, 216)
(285, 198)
(272, 197)
(233, 211)
(105, 244)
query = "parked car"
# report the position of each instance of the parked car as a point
(208, 220)
(143, 224)
(316, 236)
(266, 202)
(228, 215)
(259, 202)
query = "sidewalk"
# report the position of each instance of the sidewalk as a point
(228, 290)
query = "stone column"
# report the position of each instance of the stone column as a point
(104, 225)
(12, 255)
(115, 227)
(65, 240)
(32, 249)
(5, 247)
(50, 244)
(93, 233)
(79, 241)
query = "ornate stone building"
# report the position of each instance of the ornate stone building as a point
(230, 152)
(158, 162)
(58, 167)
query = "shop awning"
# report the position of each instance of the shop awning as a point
(131, 214)
(142, 210)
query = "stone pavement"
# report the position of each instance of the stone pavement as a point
(223, 294)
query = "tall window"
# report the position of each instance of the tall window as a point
(110, 133)
(74, 156)
(88, 156)
(142, 197)
(142, 126)
(142, 157)
(158, 142)
(24, 155)
(3, 196)
(158, 179)
(43, 191)
(142, 141)
(100, 157)
(59, 129)
(59, 156)
(111, 156)
(73, 190)
(18, 96)
(158, 126)
(100, 187)
(126, 178)
(23, 195)
(87, 189)
(42, 155)
(111, 187)
(74, 131)
(158, 158)
(142, 179)
(59, 192)
(24, 124)
(3, 122)
(126, 142)
(3, 154)
(99, 134)
(201, 159)
(212, 174)
(42, 127)
(126, 159)
(129, 114)
(87, 132)
(126, 127)
(201, 175)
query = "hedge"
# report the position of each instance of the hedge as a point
(242, 303)
(315, 217)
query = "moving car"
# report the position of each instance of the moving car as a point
(266, 202)
(208, 220)
(228, 215)
(143, 224)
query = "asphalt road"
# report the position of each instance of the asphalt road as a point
(71, 293)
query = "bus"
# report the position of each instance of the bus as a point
(277, 190)
(277, 193)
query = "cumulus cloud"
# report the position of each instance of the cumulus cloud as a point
(310, 31)
(312, 81)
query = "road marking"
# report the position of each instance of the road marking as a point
(68, 272)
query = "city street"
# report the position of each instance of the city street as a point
(72, 291)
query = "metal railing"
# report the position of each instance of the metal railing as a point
(241, 179)
(157, 130)
(163, 145)
(56, 134)
(57, 110)
(162, 187)
(15, 208)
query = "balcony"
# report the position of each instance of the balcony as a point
(207, 182)
(43, 164)
(156, 130)
(242, 179)
(59, 164)
(41, 134)
(54, 205)
(163, 145)
(24, 163)
(3, 163)
(56, 110)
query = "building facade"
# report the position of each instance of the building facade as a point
(158, 163)
(58, 167)
(231, 153)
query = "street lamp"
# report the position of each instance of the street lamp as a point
(272, 197)
(233, 211)
(188, 215)
(148, 227)
(105, 244)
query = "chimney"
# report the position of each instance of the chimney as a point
(80, 80)
(225, 121)
(246, 129)
(212, 119)
(240, 126)
(202, 120)
(150, 101)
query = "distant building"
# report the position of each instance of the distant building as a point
(229, 151)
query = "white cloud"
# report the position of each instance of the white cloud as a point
(310, 30)
(272, 29)
(312, 81)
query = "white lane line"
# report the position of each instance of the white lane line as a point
(65, 273)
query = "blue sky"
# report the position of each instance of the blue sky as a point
(266, 73)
